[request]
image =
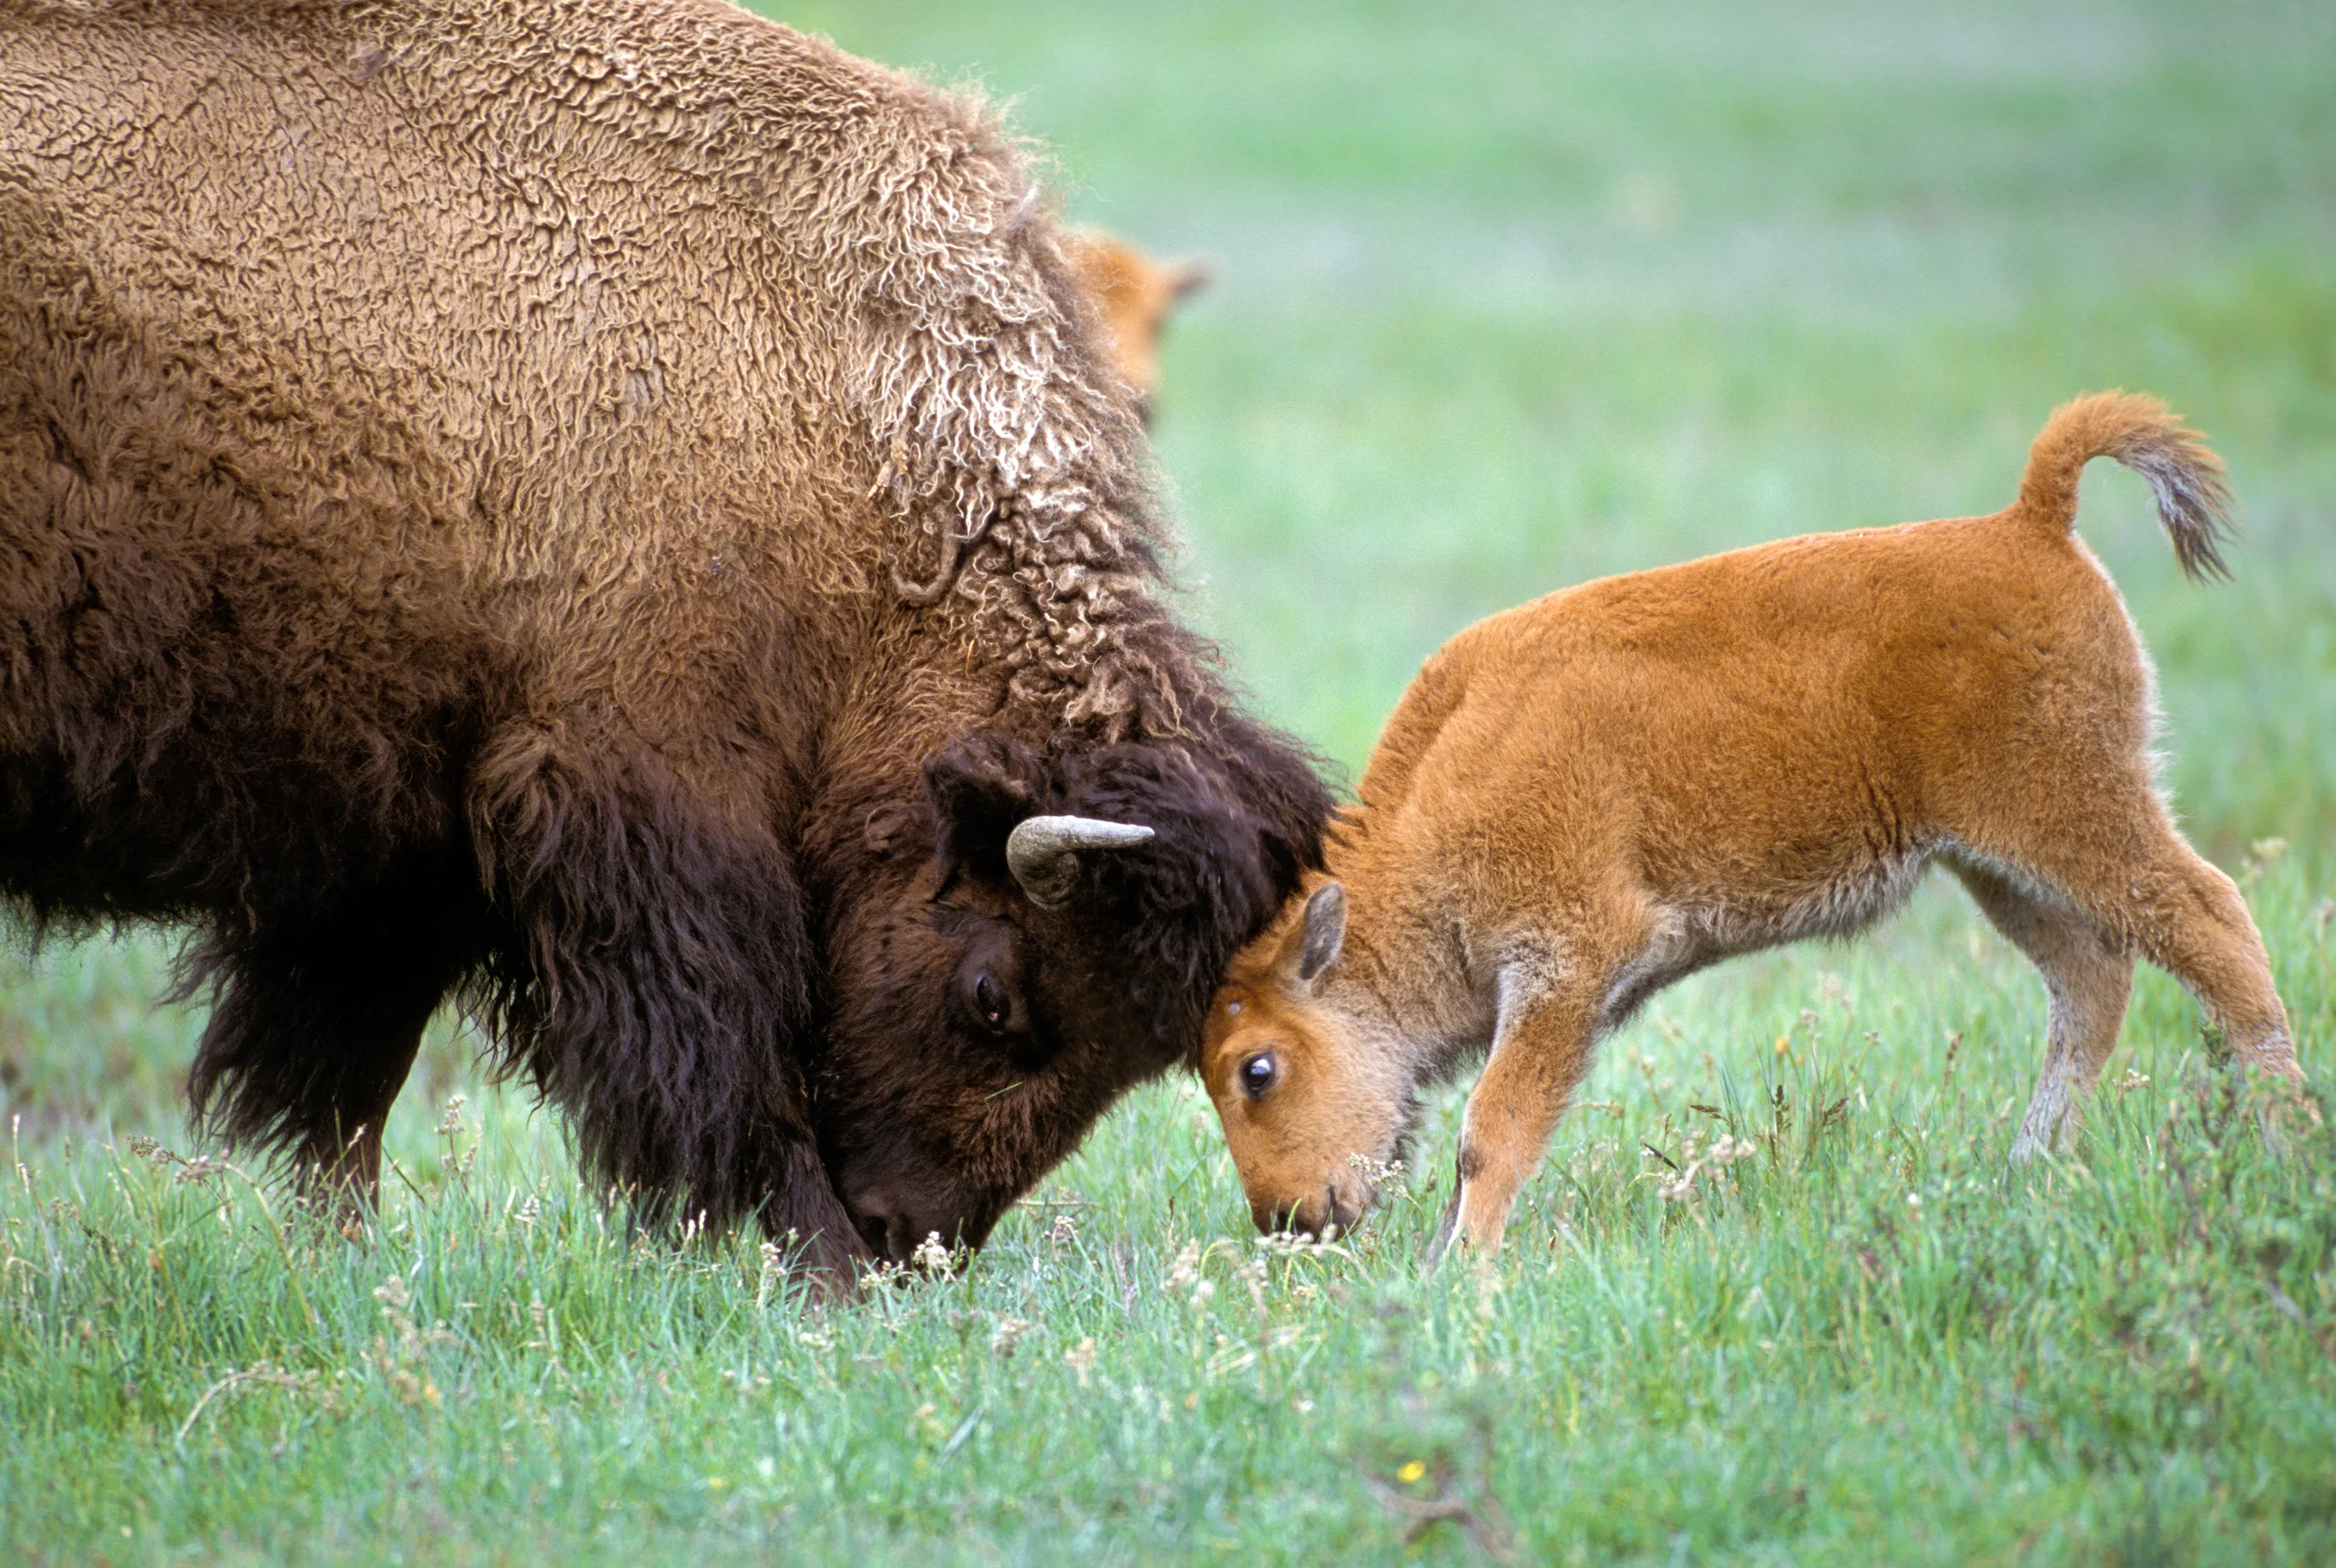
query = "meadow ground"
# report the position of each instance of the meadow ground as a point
(1507, 296)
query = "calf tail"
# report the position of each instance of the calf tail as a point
(2193, 500)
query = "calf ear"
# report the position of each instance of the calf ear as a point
(1314, 946)
(1186, 277)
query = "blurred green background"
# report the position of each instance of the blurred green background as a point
(1507, 296)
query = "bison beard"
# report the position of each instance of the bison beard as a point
(611, 512)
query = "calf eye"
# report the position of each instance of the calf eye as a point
(1258, 1074)
(989, 1002)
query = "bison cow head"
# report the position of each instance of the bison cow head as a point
(1046, 931)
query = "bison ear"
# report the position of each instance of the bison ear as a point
(980, 787)
(1313, 946)
(887, 827)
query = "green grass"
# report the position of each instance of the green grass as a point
(1508, 296)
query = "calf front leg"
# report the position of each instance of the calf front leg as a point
(1540, 1051)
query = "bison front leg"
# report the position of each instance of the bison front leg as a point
(314, 1026)
(657, 984)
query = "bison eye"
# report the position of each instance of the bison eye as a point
(989, 1002)
(1258, 1074)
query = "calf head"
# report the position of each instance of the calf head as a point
(1051, 939)
(1135, 295)
(1310, 1107)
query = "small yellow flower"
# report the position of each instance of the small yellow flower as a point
(1411, 1472)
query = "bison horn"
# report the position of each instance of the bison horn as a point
(1042, 852)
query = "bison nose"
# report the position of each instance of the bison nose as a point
(898, 1229)
(886, 1236)
(889, 1226)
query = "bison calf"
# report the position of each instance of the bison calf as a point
(1582, 800)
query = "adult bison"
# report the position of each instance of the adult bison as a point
(614, 512)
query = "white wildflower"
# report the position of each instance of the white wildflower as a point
(774, 1263)
(1379, 1175)
(1184, 1272)
(930, 1255)
(1725, 1151)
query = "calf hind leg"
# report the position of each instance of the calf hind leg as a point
(2189, 920)
(2161, 900)
(2087, 978)
(2113, 853)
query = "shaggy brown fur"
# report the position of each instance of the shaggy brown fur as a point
(1136, 295)
(614, 509)
(1582, 800)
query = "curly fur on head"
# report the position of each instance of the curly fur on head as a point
(503, 498)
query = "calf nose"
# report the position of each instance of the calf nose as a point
(1301, 1215)
(1328, 1211)
(1342, 1214)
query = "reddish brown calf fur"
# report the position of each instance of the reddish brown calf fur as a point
(1135, 295)
(1588, 797)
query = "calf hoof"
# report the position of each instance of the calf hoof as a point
(1447, 1229)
